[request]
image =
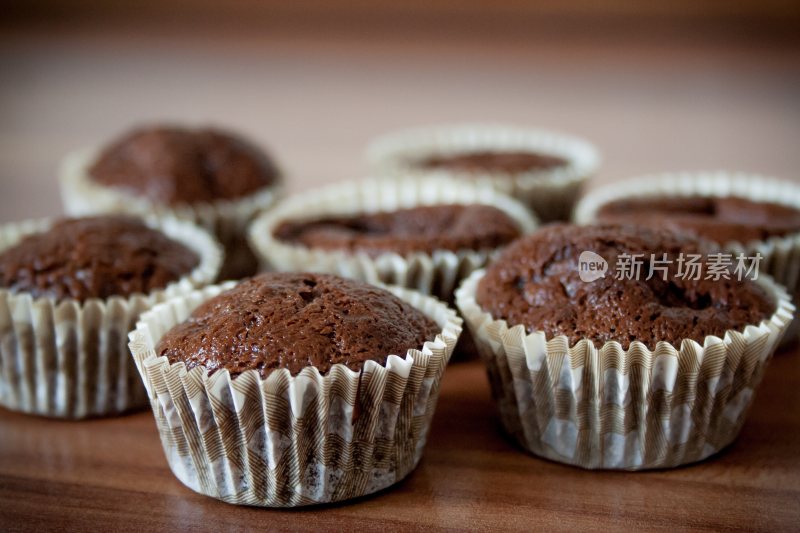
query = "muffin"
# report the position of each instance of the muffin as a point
(542, 169)
(719, 219)
(293, 389)
(421, 229)
(744, 214)
(71, 290)
(210, 177)
(420, 234)
(615, 370)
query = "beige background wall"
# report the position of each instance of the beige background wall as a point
(696, 86)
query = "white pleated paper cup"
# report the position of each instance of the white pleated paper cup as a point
(551, 193)
(69, 359)
(226, 219)
(436, 273)
(612, 408)
(288, 441)
(780, 255)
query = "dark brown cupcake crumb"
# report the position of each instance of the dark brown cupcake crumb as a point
(419, 229)
(293, 321)
(487, 161)
(171, 165)
(536, 283)
(721, 220)
(95, 257)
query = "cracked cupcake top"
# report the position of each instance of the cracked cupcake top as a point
(94, 257)
(171, 165)
(293, 321)
(418, 229)
(721, 220)
(536, 283)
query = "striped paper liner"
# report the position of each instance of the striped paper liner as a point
(613, 408)
(288, 441)
(70, 359)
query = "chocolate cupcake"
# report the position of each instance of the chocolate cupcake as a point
(615, 368)
(70, 290)
(719, 219)
(294, 389)
(421, 229)
(420, 234)
(542, 169)
(213, 178)
(744, 214)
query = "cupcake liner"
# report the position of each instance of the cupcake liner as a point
(70, 359)
(628, 409)
(288, 441)
(436, 273)
(227, 219)
(780, 255)
(550, 193)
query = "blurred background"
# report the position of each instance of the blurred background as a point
(685, 84)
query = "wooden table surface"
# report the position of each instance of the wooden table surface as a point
(111, 475)
(651, 106)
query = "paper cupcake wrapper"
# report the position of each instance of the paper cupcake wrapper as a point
(226, 219)
(288, 441)
(629, 409)
(550, 193)
(436, 273)
(70, 359)
(780, 255)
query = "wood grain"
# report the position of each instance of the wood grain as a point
(111, 475)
